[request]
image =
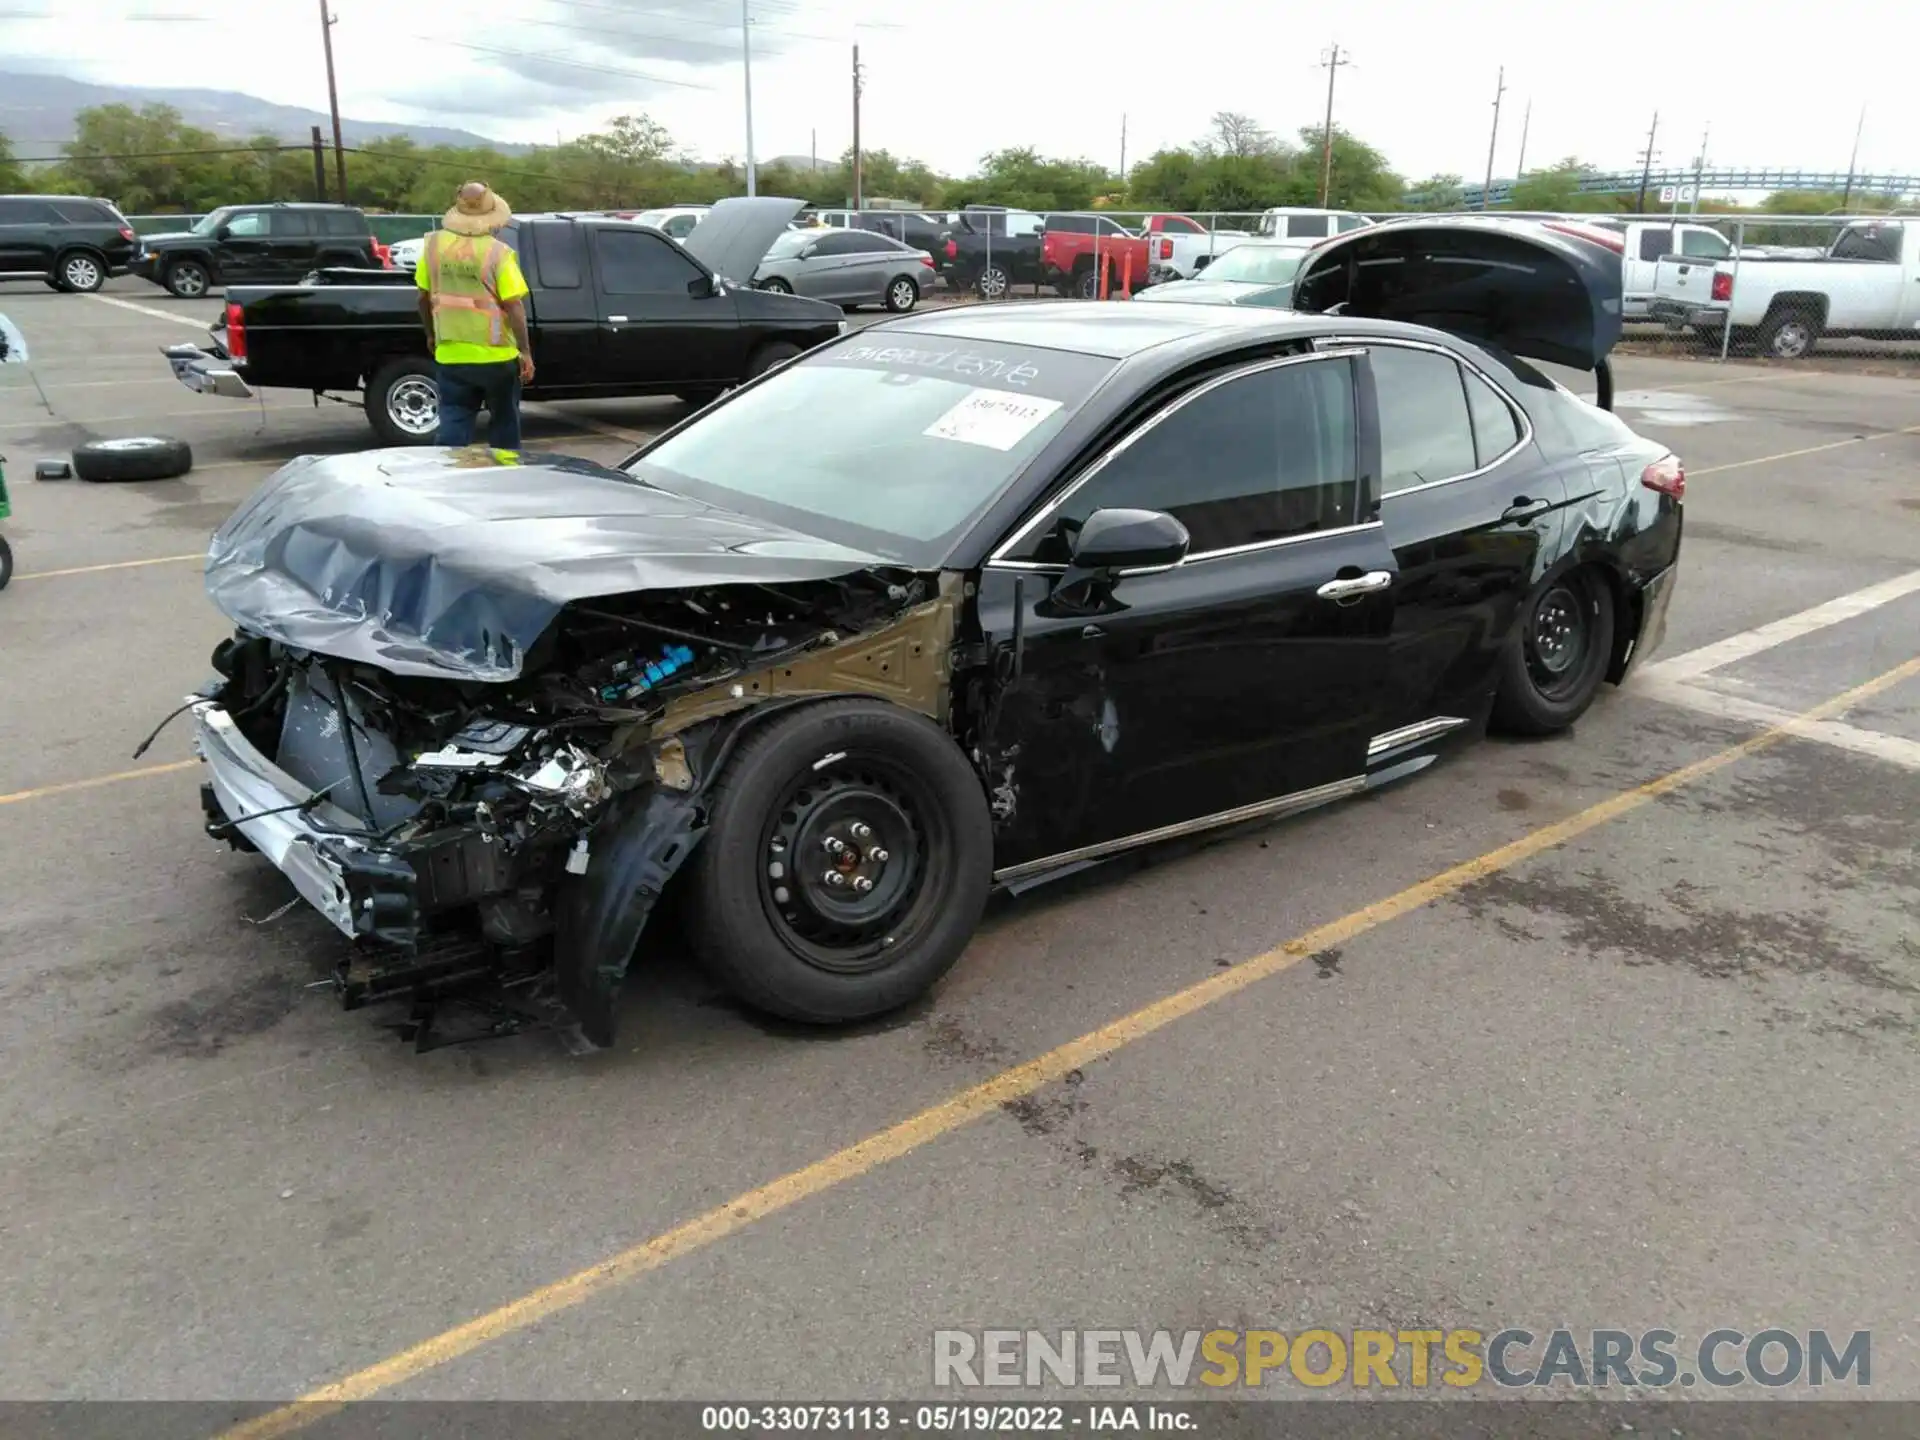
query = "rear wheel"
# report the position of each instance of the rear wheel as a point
(846, 864)
(188, 279)
(777, 285)
(994, 283)
(902, 294)
(82, 272)
(403, 402)
(1557, 656)
(1790, 335)
(1087, 284)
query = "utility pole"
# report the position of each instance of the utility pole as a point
(746, 72)
(319, 167)
(1699, 168)
(1499, 89)
(1526, 123)
(1331, 61)
(857, 82)
(1853, 164)
(333, 101)
(1646, 162)
(1123, 148)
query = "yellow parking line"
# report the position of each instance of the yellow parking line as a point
(1810, 450)
(110, 565)
(47, 792)
(984, 1099)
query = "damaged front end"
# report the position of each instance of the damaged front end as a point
(508, 837)
(522, 833)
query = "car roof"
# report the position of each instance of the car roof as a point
(1114, 331)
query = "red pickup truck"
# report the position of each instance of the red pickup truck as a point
(1070, 244)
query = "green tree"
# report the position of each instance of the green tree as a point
(1556, 188)
(1436, 192)
(1028, 180)
(13, 175)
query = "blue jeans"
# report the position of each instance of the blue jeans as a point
(464, 389)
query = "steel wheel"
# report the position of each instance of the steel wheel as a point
(847, 853)
(82, 272)
(1790, 339)
(413, 405)
(1559, 639)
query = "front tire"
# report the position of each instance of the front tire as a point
(774, 352)
(1557, 656)
(403, 402)
(847, 862)
(187, 279)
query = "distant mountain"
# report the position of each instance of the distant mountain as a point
(37, 114)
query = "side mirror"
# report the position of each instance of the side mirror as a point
(703, 287)
(1129, 540)
(225, 232)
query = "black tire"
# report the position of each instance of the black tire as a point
(993, 283)
(824, 954)
(1557, 656)
(80, 272)
(137, 457)
(700, 398)
(903, 293)
(777, 285)
(1086, 284)
(1789, 335)
(774, 352)
(187, 278)
(6, 562)
(402, 402)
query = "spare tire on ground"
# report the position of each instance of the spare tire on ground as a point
(137, 457)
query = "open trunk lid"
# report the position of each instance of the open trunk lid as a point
(1548, 291)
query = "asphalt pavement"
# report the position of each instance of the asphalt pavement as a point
(1557, 1034)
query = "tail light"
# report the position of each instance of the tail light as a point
(1592, 234)
(236, 332)
(1723, 287)
(1166, 247)
(126, 233)
(926, 260)
(1667, 475)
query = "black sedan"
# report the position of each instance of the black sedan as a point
(968, 599)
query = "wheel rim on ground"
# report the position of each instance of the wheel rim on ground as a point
(189, 279)
(903, 294)
(82, 273)
(1790, 341)
(849, 857)
(413, 404)
(1559, 634)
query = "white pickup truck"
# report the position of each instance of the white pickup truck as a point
(1867, 284)
(1180, 255)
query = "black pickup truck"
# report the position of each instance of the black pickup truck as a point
(990, 249)
(615, 309)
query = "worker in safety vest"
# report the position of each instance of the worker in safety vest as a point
(471, 290)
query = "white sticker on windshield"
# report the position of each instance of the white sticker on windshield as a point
(992, 418)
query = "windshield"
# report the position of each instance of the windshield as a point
(650, 217)
(210, 223)
(1260, 264)
(890, 448)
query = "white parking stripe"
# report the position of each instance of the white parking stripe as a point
(175, 317)
(1895, 749)
(1696, 663)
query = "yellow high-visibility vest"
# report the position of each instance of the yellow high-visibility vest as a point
(463, 271)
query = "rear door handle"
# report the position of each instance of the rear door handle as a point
(1359, 585)
(1525, 509)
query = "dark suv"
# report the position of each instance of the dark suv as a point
(72, 242)
(239, 244)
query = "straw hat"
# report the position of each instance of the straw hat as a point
(477, 211)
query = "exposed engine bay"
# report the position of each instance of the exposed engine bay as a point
(520, 831)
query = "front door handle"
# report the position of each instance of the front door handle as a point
(616, 319)
(1523, 508)
(1357, 586)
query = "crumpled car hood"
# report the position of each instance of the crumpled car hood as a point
(451, 563)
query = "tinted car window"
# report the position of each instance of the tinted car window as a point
(341, 222)
(291, 222)
(1308, 226)
(1263, 457)
(1705, 245)
(1868, 242)
(1070, 224)
(247, 223)
(1495, 430)
(681, 226)
(1655, 241)
(84, 212)
(1425, 433)
(841, 242)
(865, 242)
(633, 262)
(25, 212)
(556, 256)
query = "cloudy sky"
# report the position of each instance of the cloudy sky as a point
(947, 83)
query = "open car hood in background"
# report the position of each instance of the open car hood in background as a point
(734, 236)
(451, 563)
(1535, 289)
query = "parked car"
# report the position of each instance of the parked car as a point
(615, 309)
(676, 221)
(1073, 248)
(1867, 284)
(1286, 222)
(1258, 273)
(972, 599)
(1178, 255)
(239, 244)
(71, 242)
(990, 250)
(406, 253)
(847, 267)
